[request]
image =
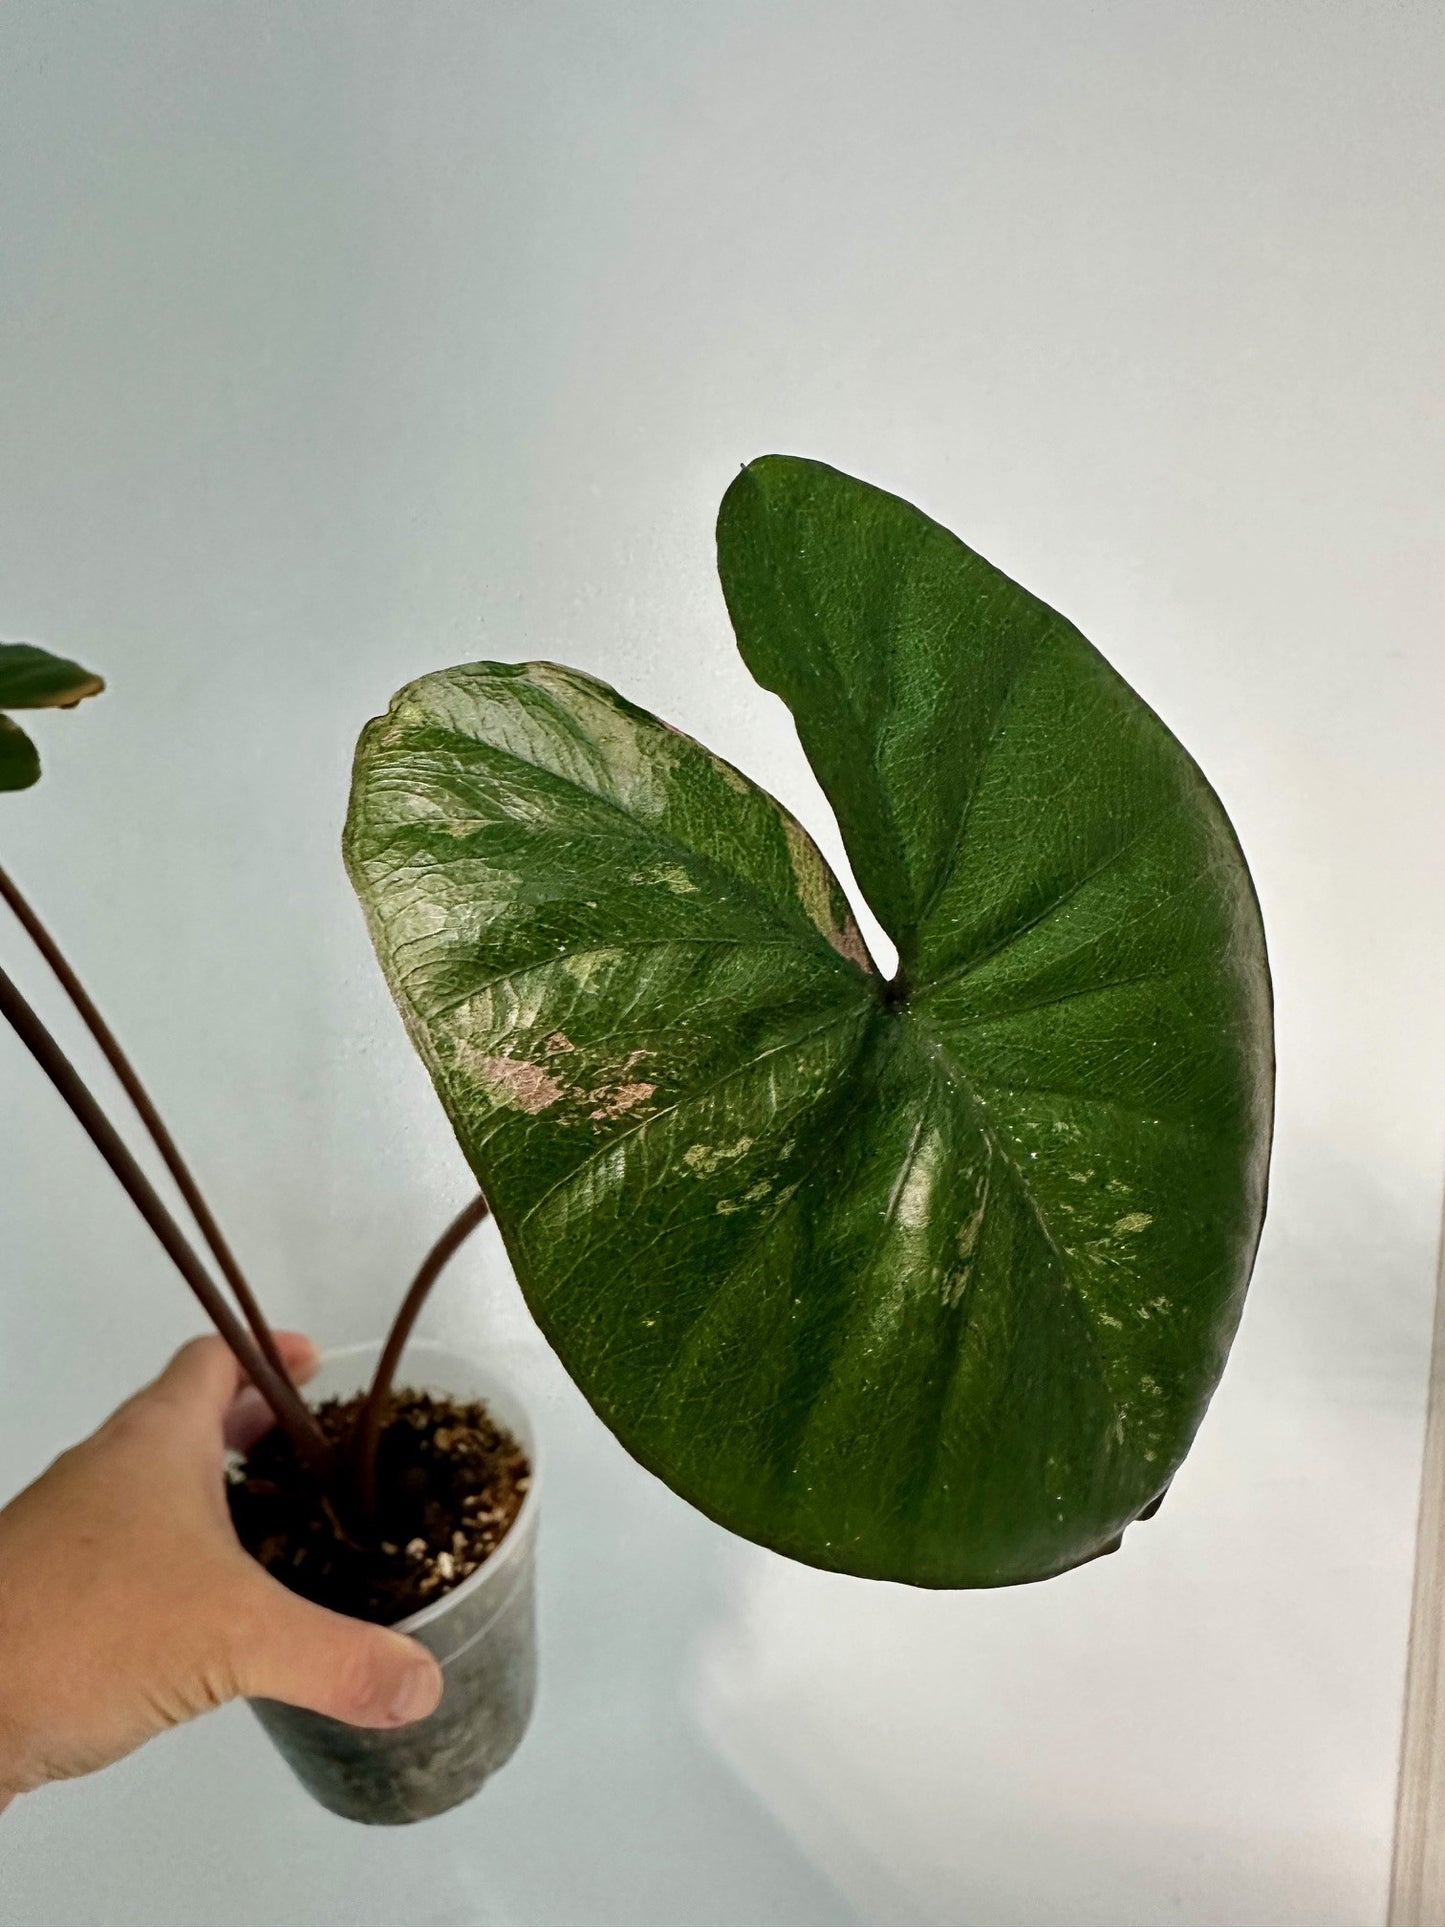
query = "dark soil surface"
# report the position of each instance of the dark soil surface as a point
(449, 1484)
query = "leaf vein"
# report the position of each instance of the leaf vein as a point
(689, 1097)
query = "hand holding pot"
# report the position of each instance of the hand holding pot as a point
(127, 1604)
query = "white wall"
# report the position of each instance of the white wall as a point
(343, 341)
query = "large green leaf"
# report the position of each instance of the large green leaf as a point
(929, 1281)
(31, 678)
(19, 758)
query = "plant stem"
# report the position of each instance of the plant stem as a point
(149, 1116)
(275, 1387)
(366, 1434)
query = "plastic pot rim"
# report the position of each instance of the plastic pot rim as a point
(512, 1548)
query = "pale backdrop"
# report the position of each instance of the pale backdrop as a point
(343, 341)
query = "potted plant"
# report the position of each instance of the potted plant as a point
(416, 1509)
(927, 1278)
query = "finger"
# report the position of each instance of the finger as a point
(298, 1354)
(250, 1417)
(366, 1675)
(204, 1376)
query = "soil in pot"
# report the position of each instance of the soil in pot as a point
(451, 1563)
(450, 1482)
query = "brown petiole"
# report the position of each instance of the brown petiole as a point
(280, 1394)
(148, 1114)
(348, 1474)
(367, 1432)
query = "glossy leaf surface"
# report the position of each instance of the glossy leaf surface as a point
(929, 1282)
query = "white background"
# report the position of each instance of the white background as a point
(343, 341)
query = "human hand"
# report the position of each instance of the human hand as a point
(127, 1603)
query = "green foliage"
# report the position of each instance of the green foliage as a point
(928, 1281)
(31, 678)
(19, 758)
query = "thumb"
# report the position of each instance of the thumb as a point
(366, 1675)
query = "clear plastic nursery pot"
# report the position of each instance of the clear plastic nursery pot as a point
(483, 1633)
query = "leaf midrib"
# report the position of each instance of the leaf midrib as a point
(775, 911)
(949, 863)
(605, 949)
(798, 1038)
(966, 966)
(939, 1048)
